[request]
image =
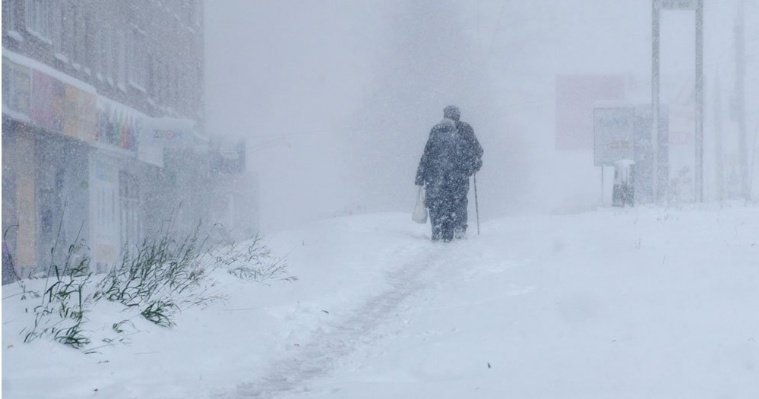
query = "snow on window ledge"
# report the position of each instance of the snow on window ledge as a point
(39, 37)
(61, 57)
(19, 116)
(15, 35)
(137, 86)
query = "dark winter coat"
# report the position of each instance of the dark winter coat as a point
(451, 155)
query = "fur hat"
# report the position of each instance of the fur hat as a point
(452, 112)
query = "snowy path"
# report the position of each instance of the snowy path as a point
(646, 303)
(317, 357)
(635, 303)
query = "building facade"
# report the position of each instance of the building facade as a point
(103, 127)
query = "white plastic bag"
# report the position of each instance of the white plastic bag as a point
(420, 211)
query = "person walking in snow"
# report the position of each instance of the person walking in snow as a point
(451, 156)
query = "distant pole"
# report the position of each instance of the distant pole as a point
(655, 18)
(699, 101)
(720, 169)
(602, 186)
(740, 99)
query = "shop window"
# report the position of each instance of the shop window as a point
(46, 221)
(129, 208)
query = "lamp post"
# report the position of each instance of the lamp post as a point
(698, 7)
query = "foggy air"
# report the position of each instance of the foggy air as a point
(396, 198)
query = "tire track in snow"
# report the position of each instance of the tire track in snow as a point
(320, 355)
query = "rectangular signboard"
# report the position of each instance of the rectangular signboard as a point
(614, 135)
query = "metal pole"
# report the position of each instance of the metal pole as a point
(655, 22)
(602, 186)
(740, 97)
(699, 147)
(476, 204)
(719, 163)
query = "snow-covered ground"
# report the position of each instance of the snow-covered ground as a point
(617, 303)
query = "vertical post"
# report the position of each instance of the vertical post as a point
(602, 186)
(699, 113)
(720, 170)
(476, 204)
(655, 23)
(740, 99)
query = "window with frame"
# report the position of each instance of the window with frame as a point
(9, 16)
(67, 31)
(175, 87)
(56, 27)
(17, 86)
(104, 54)
(75, 31)
(137, 58)
(196, 13)
(121, 67)
(37, 18)
(129, 205)
(118, 67)
(88, 38)
(161, 82)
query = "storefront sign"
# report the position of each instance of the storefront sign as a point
(117, 125)
(79, 114)
(62, 108)
(171, 132)
(47, 102)
(614, 135)
(149, 150)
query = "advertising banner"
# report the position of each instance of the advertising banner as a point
(79, 114)
(47, 102)
(62, 108)
(118, 125)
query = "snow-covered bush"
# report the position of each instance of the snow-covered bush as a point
(253, 261)
(64, 300)
(157, 278)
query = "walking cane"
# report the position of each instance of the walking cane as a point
(476, 204)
